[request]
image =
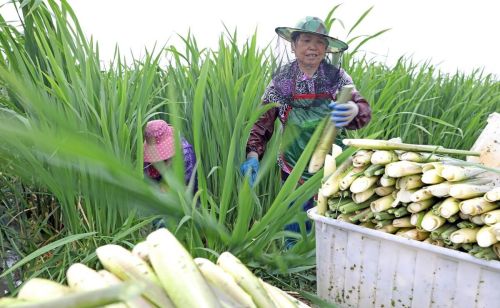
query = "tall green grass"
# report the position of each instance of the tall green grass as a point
(71, 131)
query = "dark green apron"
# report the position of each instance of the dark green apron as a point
(300, 119)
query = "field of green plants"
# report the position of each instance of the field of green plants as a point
(71, 172)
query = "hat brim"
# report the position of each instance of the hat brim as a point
(334, 45)
(152, 154)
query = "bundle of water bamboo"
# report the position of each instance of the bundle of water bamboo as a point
(416, 192)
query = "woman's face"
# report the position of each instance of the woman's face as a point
(310, 49)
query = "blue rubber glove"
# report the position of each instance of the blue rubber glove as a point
(343, 114)
(251, 167)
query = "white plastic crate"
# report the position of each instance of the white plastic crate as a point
(361, 267)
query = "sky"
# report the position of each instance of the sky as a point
(450, 34)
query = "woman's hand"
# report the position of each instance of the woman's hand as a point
(343, 114)
(251, 167)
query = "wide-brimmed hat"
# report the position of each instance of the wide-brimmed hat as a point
(159, 144)
(313, 25)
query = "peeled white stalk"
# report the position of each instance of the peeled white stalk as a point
(410, 182)
(467, 191)
(496, 230)
(493, 195)
(485, 237)
(382, 204)
(362, 183)
(330, 166)
(416, 219)
(83, 278)
(431, 222)
(137, 301)
(419, 206)
(362, 158)
(402, 168)
(477, 219)
(439, 190)
(224, 281)
(403, 196)
(420, 195)
(438, 166)
(387, 181)
(277, 292)
(178, 272)
(347, 180)
(403, 222)
(128, 266)
(448, 207)
(329, 133)
(141, 250)
(37, 289)
(245, 279)
(362, 196)
(418, 157)
(278, 298)
(476, 206)
(384, 191)
(457, 173)
(382, 157)
(322, 204)
(463, 236)
(491, 217)
(432, 177)
(332, 184)
(413, 233)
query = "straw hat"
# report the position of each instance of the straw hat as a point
(312, 25)
(159, 144)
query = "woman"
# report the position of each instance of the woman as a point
(306, 90)
(159, 146)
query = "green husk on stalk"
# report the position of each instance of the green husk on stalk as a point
(486, 253)
(331, 214)
(402, 168)
(445, 235)
(362, 183)
(466, 224)
(491, 217)
(465, 235)
(476, 206)
(486, 237)
(454, 173)
(436, 242)
(437, 234)
(400, 212)
(493, 195)
(419, 157)
(382, 157)
(375, 144)
(362, 214)
(331, 185)
(403, 222)
(448, 207)
(373, 169)
(368, 224)
(432, 177)
(387, 181)
(381, 223)
(345, 217)
(383, 216)
(352, 207)
(413, 233)
(384, 191)
(335, 203)
(382, 203)
(416, 207)
(364, 195)
(496, 249)
(347, 180)
(453, 218)
(431, 222)
(467, 191)
(362, 158)
(416, 219)
(367, 217)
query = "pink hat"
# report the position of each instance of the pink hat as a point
(159, 143)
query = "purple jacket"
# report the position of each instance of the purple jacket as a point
(189, 165)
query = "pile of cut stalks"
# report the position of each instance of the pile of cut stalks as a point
(417, 192)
